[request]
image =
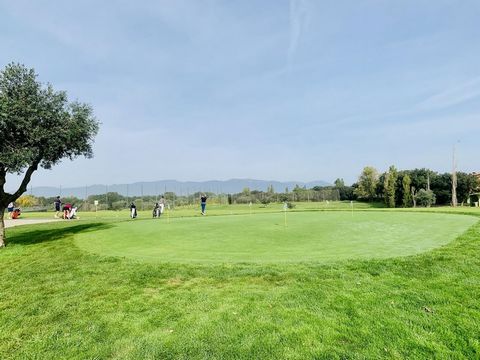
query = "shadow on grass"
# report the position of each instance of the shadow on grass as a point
(30, 237)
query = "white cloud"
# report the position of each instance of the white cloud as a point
(453, 96)
(299, 19)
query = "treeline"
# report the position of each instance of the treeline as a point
(298, 193)
(116, 201)
(410, 188)
(406, 188)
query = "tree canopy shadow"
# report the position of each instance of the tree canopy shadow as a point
(35, 236)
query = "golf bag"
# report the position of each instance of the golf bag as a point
(156, 211)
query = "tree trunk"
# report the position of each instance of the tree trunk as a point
(3, 239)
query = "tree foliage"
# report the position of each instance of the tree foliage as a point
(26, 201)
(390, 184)
(339, 183)
(425, 198)
(367, 184)
(38, 128)
(400, 192)
(466, 184)
(407, 195)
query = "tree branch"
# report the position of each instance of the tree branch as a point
(26, 179)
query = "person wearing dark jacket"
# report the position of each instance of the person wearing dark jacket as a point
(203, 203)
(58, 206)
(133, 210)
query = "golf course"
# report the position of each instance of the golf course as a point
(239, 180)
(315, 282)
(267, 238)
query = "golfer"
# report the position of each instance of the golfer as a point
(58, 206)
(133, 210)
(161, 203)
(203, 203)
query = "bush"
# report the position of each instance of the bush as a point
(425, 198)
(119, 205)
(265, 201)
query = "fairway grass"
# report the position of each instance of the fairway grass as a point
(58, 301)
(267, 238)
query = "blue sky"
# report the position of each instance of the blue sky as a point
(286, 90)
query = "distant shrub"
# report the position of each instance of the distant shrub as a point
(119, 205)
(425, 197)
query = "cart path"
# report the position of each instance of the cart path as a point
(18, 222)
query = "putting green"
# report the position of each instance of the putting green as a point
(264, 238)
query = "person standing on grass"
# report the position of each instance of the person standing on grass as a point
(203, 203)
(133, 210)
(161, 203)
(10, 209)
(58, 206)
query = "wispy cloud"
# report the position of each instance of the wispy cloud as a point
(299, 19)
(454, 96)
(321, 77)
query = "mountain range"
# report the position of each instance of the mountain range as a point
(178, 187)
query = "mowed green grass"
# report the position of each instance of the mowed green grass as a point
(215, 209)
(58, 301)
(267, 238)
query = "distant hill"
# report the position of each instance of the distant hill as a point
(179, 187)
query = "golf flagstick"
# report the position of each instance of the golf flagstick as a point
(285, 206)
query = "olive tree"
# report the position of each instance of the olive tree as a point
(38, 128)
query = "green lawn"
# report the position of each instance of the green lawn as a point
(266, 238)
(58, 301)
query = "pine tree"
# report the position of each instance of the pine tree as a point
(390, 186)
(386, 179)
(407, 195)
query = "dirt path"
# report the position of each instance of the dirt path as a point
(18, 222)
